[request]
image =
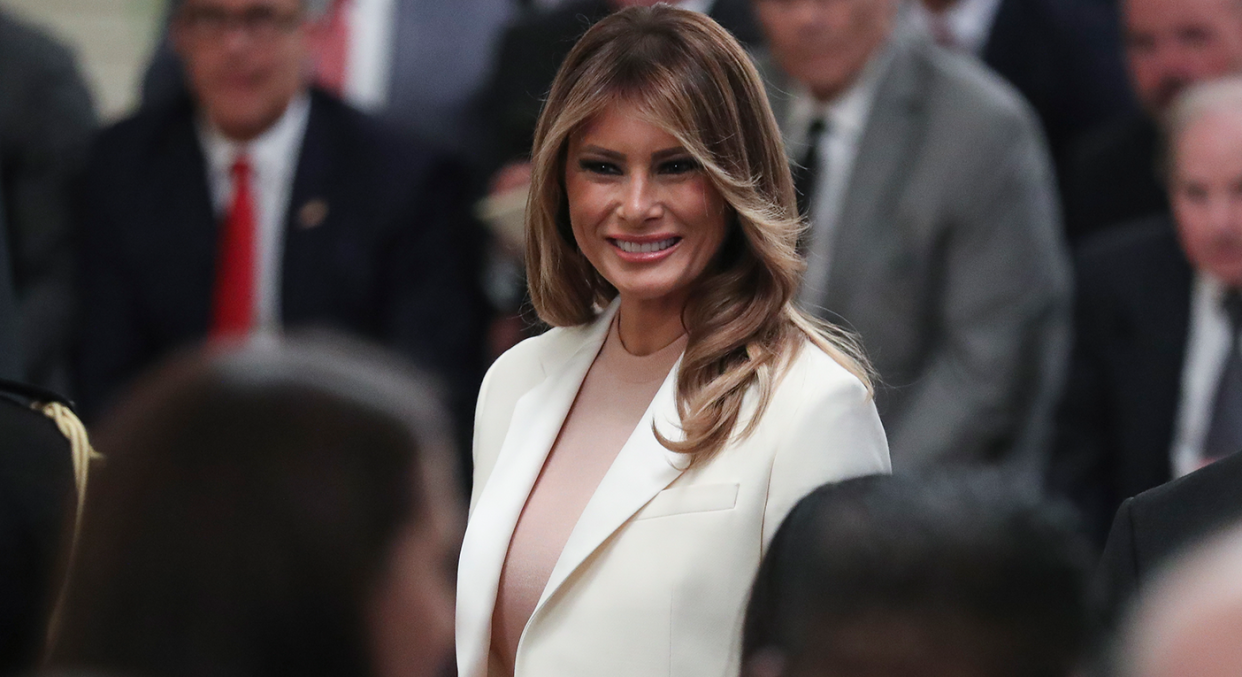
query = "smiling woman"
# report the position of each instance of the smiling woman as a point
(646, 217)
(632, 464)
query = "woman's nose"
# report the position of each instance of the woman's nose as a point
(639, 202)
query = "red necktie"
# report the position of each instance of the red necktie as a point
(334, 50)
(233, 300)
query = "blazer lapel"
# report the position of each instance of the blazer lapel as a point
(310, 219)
(183, 240)
(883, 161)
(536, 422)
(642, 469)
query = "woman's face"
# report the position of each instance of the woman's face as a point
(411, 613)
(643, 212)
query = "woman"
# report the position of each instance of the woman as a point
(276, 510)
(631, 464)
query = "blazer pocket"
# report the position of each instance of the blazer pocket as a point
(695, 498)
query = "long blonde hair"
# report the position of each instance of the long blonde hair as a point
(689, 76)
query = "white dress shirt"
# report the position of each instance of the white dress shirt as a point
(368, 69)
(968, 21)
(845, 122)
(1207, 348)
(273, 160)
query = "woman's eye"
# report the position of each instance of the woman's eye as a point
(679, 166)
(599, 167)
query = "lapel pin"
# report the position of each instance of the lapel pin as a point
(313, 213)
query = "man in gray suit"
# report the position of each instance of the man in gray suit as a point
(933, 227)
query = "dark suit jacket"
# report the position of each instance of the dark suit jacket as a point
(531, 52)
(1065, 58)
(1116, 420)
(10, 359)
(1113, 178)
(46, 123)
(390, 261)
(1159, 523)
(36, 494)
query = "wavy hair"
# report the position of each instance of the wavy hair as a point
(689, 76)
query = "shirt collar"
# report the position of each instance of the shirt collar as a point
(847, 113)
(268, 148)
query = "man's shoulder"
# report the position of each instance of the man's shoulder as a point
(30, 50)
(1148, 246)
(1175, 515)
(366, 136)
(965, 88)
(144, 131)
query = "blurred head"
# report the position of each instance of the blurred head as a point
(1205, 176)
(1171, 44)
(894, 576)
(1189, 620)
(825, 44)
(245, 60)
(267, 510)
(628, 155)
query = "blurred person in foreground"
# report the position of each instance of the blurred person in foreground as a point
(1189, 623)
(257, 203)
(933, 227)
(632, 463)
(933, 576)
(1155, 383)
(1114, 176)
(282, 508)
(47, 120)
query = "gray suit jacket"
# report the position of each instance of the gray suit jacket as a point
(948, 261)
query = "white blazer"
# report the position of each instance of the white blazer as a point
(654, 578)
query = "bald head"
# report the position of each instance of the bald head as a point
(1190, 623)
(1171, 44)
(1205, 170)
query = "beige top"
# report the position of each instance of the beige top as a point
(615, 394)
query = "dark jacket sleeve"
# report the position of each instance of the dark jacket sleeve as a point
(46, 122)
(1116, 579)
(111, 345)
(1078, 467)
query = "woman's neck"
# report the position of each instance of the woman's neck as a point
(647, 326)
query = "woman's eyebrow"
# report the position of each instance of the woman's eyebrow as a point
(668, 152)
(605, 152)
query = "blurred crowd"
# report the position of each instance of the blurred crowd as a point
(1029, 211)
